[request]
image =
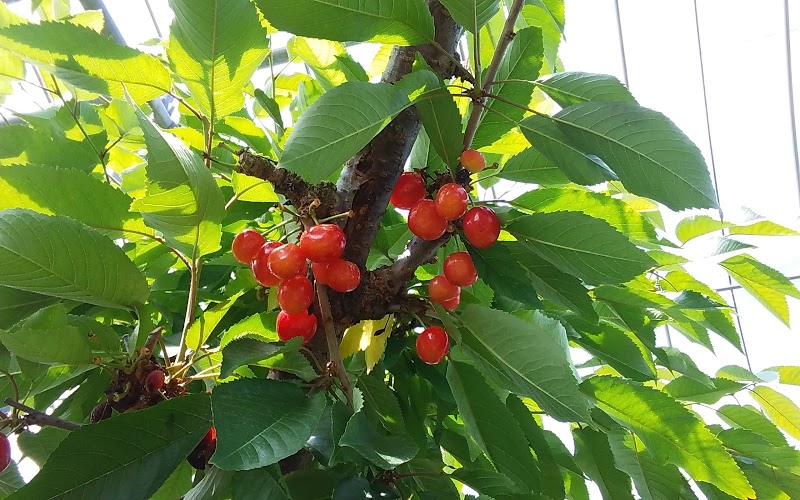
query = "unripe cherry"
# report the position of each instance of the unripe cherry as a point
(459, 269)
(259, 264)
(154, 380)
(451, 201)
(323, 242)
(425, 222)
(441, 290)
(473, 160)
(296, 294)
(409, 190)
(246, 244)
(343, 276)
(290, 326)
(286, 261)
(432, 345)
(481, 226)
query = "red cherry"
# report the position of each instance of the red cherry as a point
(440, 290)
(246, 244)
(481, 227)
(432, 344)
(425, 222)
(287, 261)
(321, 271)
(5, 452)
(451, 201)
(343, 276)
(451, 304)
(459, 269)
(199, 457)
(409, 190)
(323, 243)
(259, 264)
(154, 380)
(290, 326)
(473, 160)
(296, 294)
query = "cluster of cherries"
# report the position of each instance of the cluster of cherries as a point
(286, 265)
(429, 219)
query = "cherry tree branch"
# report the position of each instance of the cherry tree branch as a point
(333, 343)
(36, 417)
(506, 36)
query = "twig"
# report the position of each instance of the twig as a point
(190, 306)
(333, 344)
(491, 71)
(159, 239)
(36, 417)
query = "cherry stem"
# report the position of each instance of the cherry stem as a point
(342, 215)
(333, 344)
(194, 285)
(36, 417)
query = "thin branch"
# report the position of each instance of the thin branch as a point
(333, 343)
(36, 417)
(491, 71)
(153, 237)
(190, 306)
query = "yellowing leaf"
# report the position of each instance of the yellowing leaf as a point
(362, 337)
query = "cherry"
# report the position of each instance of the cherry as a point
(296, 294)
(343, 276)
(286, 261)
(425, 222)
(323, 243)
(409, 190)
(473, 160)
(321, 272)
(432, 344)
(154, 381)
(290, 326)
(451, 304)
(481, 227)
(5, 452)
(440, 290)
(451, 201)
(201, 454)
(246, 244)
(259, 264)
(459, 269)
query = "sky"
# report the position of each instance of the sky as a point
(741, 122)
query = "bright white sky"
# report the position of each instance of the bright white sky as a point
(745, 62)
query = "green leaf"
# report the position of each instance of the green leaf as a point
(83, 264)
(215, 485)
(338, 125)
(286, 418)
(779, 408)
(262, 325)
(249, 188)
(787, 374)
(498, 268)
(545, 136)
(485, 481)
(40, 445)
(472, 14)
(258, 483)
(583, 246)
(492, 427)
(10, 480)
(329, 61)
(249, 351)
(381, 402)
(201, 329)
(522, 61)
(754, 446)
(533, 355)
(593, 455)
(62, 191)
(215, 46)
(575, 87)
(615, 347)
(399, 22)
(698, 225)
(653, 481)
(387, 452)
(127, 456)
(87, 59)
(657, 160)
(767, 285)
(46, 337)
(532, 167)
(17, 304)
(688, 389)
(600, 206)
(670, 431)
(177, 484)
(183, 200)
